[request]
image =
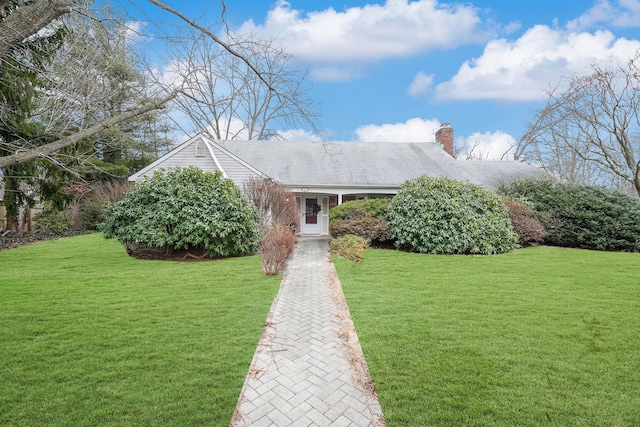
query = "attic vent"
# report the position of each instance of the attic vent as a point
(201, 149)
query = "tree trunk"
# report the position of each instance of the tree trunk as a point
(11, 200)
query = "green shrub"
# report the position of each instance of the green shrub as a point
(445, 216)
(364, 218)
(349, 247)
(51, 222)
(185, 209)
(582, 216)
(354, 208)
(366, 226)
(525, 223)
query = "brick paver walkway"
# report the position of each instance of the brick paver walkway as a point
(308, 369)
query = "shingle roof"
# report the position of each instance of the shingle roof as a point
(369, 163)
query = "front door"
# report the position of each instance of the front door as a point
(311, 215)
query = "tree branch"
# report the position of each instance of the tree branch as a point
(28, 20)
(226, 46)
(45, 150)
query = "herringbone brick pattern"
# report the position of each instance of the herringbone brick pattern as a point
(300, 375)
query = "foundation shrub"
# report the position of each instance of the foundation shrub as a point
(353, 208)
(276, 247)
(185, 209)
(582, 216)
(275, 203)
(350, 247)
(445, 216)
(279, 222)
(525, 223)
(364, 218)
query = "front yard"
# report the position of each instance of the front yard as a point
(92, 337)
(541, 336)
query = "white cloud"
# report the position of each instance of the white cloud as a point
(421, 84)
(621, 13)
(369, 33)
(413, 130)
(488, 146)
(335, 73)
(299, 135)
(134, 31)
(521, 69)
(172, 75)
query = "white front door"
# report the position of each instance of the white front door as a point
(311, 215)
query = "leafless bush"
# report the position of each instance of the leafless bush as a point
(276, 204)
(279, 221)
(88, 209)
(276, 247)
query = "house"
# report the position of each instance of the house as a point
(323, 175)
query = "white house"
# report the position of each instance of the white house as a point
(323, 175)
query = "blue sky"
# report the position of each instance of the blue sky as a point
(395, 70)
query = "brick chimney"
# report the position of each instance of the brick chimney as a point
(444, 137)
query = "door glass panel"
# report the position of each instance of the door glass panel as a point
(311, 211)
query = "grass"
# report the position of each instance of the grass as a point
(93, 337)
(541, 336)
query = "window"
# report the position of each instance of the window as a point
(201, 149)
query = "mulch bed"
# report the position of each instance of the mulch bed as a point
(168, 254)
(10, 241)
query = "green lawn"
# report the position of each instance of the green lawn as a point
(541, 336)
(90, 336)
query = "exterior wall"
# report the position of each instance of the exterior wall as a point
(235, 170)
(184, 158)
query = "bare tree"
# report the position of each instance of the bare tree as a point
(590, 131)
(74, 88)
(471, 151)
(247, 55)
(98, 74)
(227, 99)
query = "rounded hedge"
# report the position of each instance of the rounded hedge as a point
(582, 216)
(363, 218)
(354, 208)
(185, 209)
(445, 216)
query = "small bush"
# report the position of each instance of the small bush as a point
(349, 246)
(276, 248)
(51, 222)
(582, 216)
(525, 223)
(364, 218)
(445, 216)
(185, 209)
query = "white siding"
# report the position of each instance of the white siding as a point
(182, 159)
(234, 169)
